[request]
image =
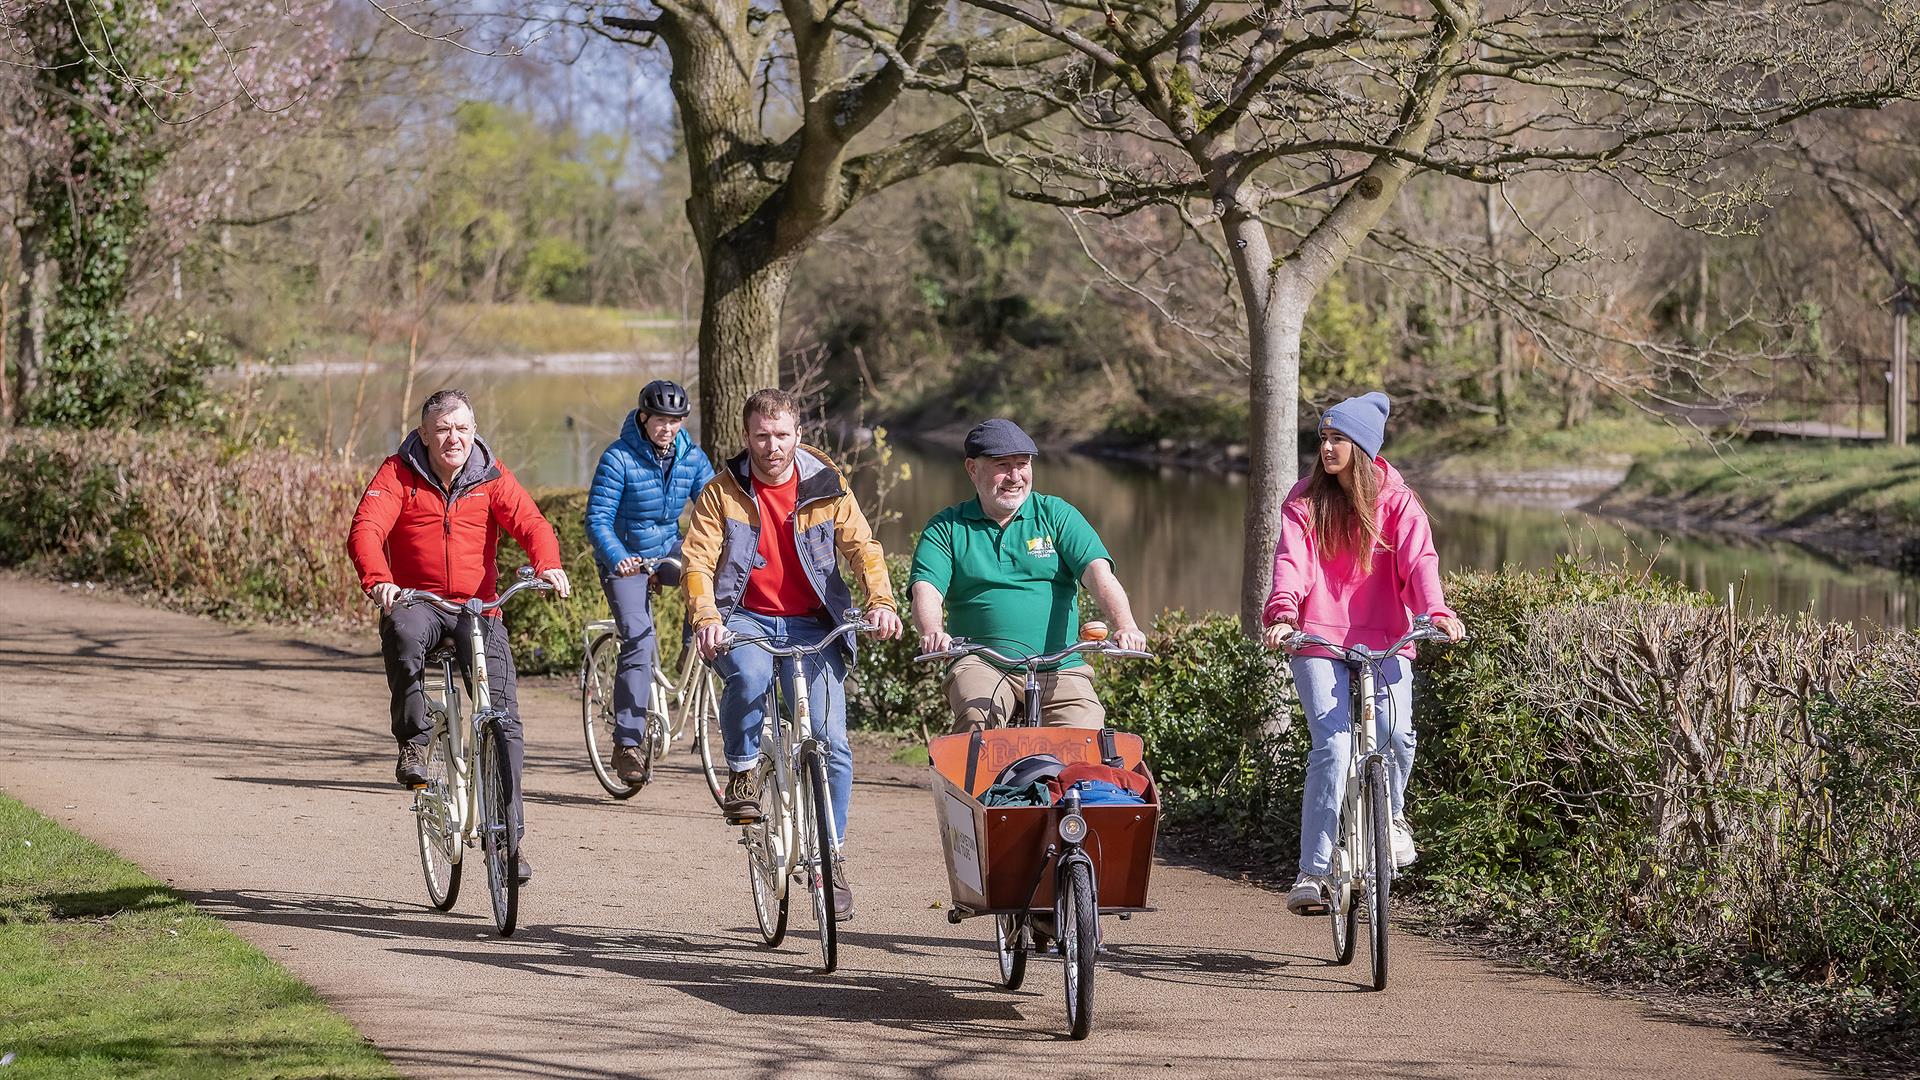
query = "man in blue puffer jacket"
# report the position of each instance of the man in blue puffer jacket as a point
(645, 479)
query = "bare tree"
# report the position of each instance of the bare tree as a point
(792, 113)
(1286, 130)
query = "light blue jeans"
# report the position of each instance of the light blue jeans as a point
(1325, 690)
(749, 671)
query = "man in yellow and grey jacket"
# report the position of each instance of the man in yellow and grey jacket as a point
(760, 559)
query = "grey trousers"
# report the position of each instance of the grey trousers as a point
(639, 653)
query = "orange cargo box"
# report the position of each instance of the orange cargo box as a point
(997, 855)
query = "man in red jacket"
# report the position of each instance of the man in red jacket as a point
(431, 519)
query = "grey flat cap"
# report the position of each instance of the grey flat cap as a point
(998, 438)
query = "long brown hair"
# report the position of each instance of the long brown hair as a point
(1343, 522)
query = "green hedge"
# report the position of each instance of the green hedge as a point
(549, 636)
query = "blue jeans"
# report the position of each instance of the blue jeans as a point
(1325, 690)
(749, 672)
(639, 654)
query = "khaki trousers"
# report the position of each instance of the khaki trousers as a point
(982, 695)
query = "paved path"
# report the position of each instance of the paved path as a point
(253, 772)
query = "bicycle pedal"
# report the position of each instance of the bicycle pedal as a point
(416, 787)
(1312, 909)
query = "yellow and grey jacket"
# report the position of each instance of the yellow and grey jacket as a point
(722, 546)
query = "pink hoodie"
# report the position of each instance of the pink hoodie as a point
(1328, 597)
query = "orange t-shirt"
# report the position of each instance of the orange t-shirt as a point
(780, 587)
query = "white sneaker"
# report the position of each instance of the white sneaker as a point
(1403, 850)
(1309, 895)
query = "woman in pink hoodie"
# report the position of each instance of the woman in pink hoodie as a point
(1354, 564)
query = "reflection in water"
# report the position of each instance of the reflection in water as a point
(548, 423)
(1175, 538)
(1174, 533)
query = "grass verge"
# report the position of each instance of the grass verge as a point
(540, 328)
(1475, 445)
(1789, 484)
(106, 972)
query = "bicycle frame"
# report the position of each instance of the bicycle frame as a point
(790, 745)
(1352, 880)
(660, 692)
(463, 740)
(1355, 872)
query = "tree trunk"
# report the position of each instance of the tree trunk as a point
(739, 337)
(36, 288)
(1276, 300)
(1275, 448)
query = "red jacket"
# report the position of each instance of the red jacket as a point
(407, 529)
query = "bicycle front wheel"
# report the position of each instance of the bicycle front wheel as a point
(597, 674)
(497, 841)
(436, 819)
(1079, 918)
(1380, 864)
(816, 831)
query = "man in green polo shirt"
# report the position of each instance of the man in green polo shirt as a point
(1008, 566)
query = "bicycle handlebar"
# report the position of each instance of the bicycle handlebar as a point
(962, 647)
(424, 596)
(856, 622)
(1422, 630)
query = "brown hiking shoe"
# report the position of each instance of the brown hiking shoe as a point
(742, 800)
(628, 766)
(842, 893)
(411, 769)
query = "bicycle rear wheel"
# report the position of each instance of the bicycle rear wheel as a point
(597, 675)
(1380, 862)
(767, 857)
(702, 697)
(1079, 918)
(1009, 933)
(497, 841)
(816, 831)
(1343, 902)
(436, 819)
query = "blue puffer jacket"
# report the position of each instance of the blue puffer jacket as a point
(633, 508)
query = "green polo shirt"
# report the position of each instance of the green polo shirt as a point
(1014, 588)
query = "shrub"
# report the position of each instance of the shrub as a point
(246, 531)
(1224, 738)
(1628, 776)
(549, 637)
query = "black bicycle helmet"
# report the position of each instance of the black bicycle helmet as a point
(1029, 770)
(662, 397)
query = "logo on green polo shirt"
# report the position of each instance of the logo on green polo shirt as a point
(1040, 547)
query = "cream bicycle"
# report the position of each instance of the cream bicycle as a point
(465, 801)
(794, 835)
(1360, 879)
(694, 694)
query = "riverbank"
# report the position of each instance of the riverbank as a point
(1852, 502)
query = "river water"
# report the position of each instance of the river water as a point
(1174, 533)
